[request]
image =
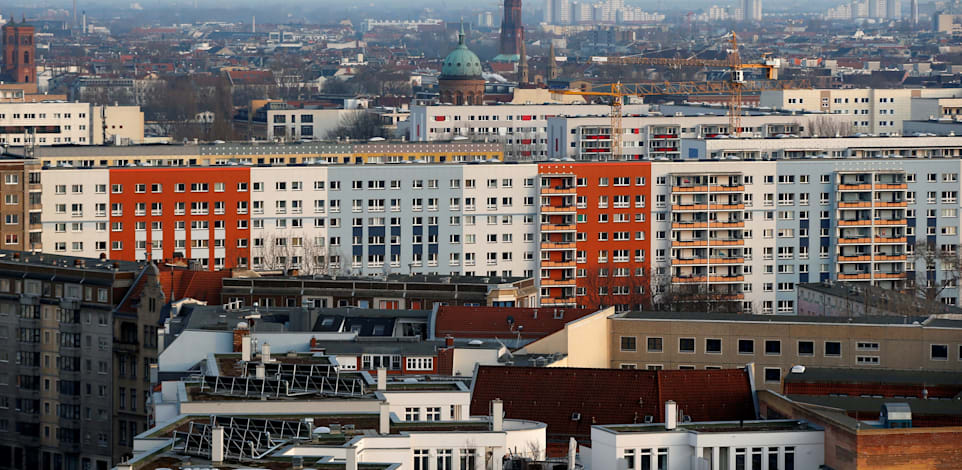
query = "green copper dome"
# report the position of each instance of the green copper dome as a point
(461, 62)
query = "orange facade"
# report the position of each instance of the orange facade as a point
(207, 208)
(595, 234)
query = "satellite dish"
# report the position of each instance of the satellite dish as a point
(322, 430)
(510, 320)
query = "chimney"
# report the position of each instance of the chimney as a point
(350, 459)
(154, 373)
(497, 415)
(449, 341)
(384, 424)
(161, 340)
(266, 353)
(240, 332)
(260, 371)
(381, 378)
(217, 445)
(671, 415)
(245, 348)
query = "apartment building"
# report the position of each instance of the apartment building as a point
(69, 123)
(522, 129)
(674, 340)
(67, 373)
(870, 110)
(743, 221)
(659, 137)
(21, 209)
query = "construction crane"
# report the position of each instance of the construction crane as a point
(733, 87)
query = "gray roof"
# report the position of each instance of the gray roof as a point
(874, 405)
(886, 376)
(736, 317)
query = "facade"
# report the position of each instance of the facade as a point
(770, 444)
(851, 299)
(871, 110)
(19, 53)
(657, 340)
(69, 123)
(22, 204)
(73, 360)
(656, 137)
(522, 129)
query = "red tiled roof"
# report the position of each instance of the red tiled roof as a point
(489, 322)
(610, 396)
(200, 285)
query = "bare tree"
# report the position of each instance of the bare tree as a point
(927, 260)
(359, 125)
(827, 127)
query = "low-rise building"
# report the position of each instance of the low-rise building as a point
(48, 123)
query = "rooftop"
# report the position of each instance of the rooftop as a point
(884, 376)
(67, 262)
(786, 319)
(504, 322)
(717, 427)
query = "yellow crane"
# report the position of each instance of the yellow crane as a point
(733, 87)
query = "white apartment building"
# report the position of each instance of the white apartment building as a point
(684, 445)
(522, 128)
(657, 137)
(871, 110)
(304, 124)
(68, 123)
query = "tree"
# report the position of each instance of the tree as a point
(927, 259)
(827, 127)
(359, 125)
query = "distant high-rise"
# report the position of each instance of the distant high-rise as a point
(893, 9)
(557, 11)
(19, 64)
(915, 12)
(511, 32)
(751, 10)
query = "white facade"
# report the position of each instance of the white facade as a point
(76, 220)
(522, 128)
(871, 111)
(304, 124)
(64, 123)
(763, 445)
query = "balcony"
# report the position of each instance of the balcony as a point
(728, 224)
(854, 187)
(733, 278)
(727, 260)
(689, 225)
(690, 189)
(563, 301)
(678, 243)
(887, 186)
(890, 240)
(845, 205)
(732, 189)
(559, 210)
(853, 259)
(891, 204)
(730, 297)
(557, 246)
(689, 207)
(557, 228)
(121, 345)
(558, 190)
(558, 282)
(690, 261)
(689, 279)
(727, 207)
(901, 275)
(854, 277)
(855, 241)
(855, 223)
(891, 257)
(738, 242)
(558, 264)
(891, 221)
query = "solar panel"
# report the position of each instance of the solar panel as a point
(244, 438)
(283, 386)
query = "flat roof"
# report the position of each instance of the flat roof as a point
(885, 376)
(746, 318)
(873, 405)
(717, 427)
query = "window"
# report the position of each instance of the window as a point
(655, 344)
(939, 352)
(713, 346)
(420, 363)
(773, 375)
(833, 349)
(746, 346)
(628, 343)
(773, 347)
(686, 345)
(412, 414)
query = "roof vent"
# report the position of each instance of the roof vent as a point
(799, 369)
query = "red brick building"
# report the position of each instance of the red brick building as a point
(19, 53)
